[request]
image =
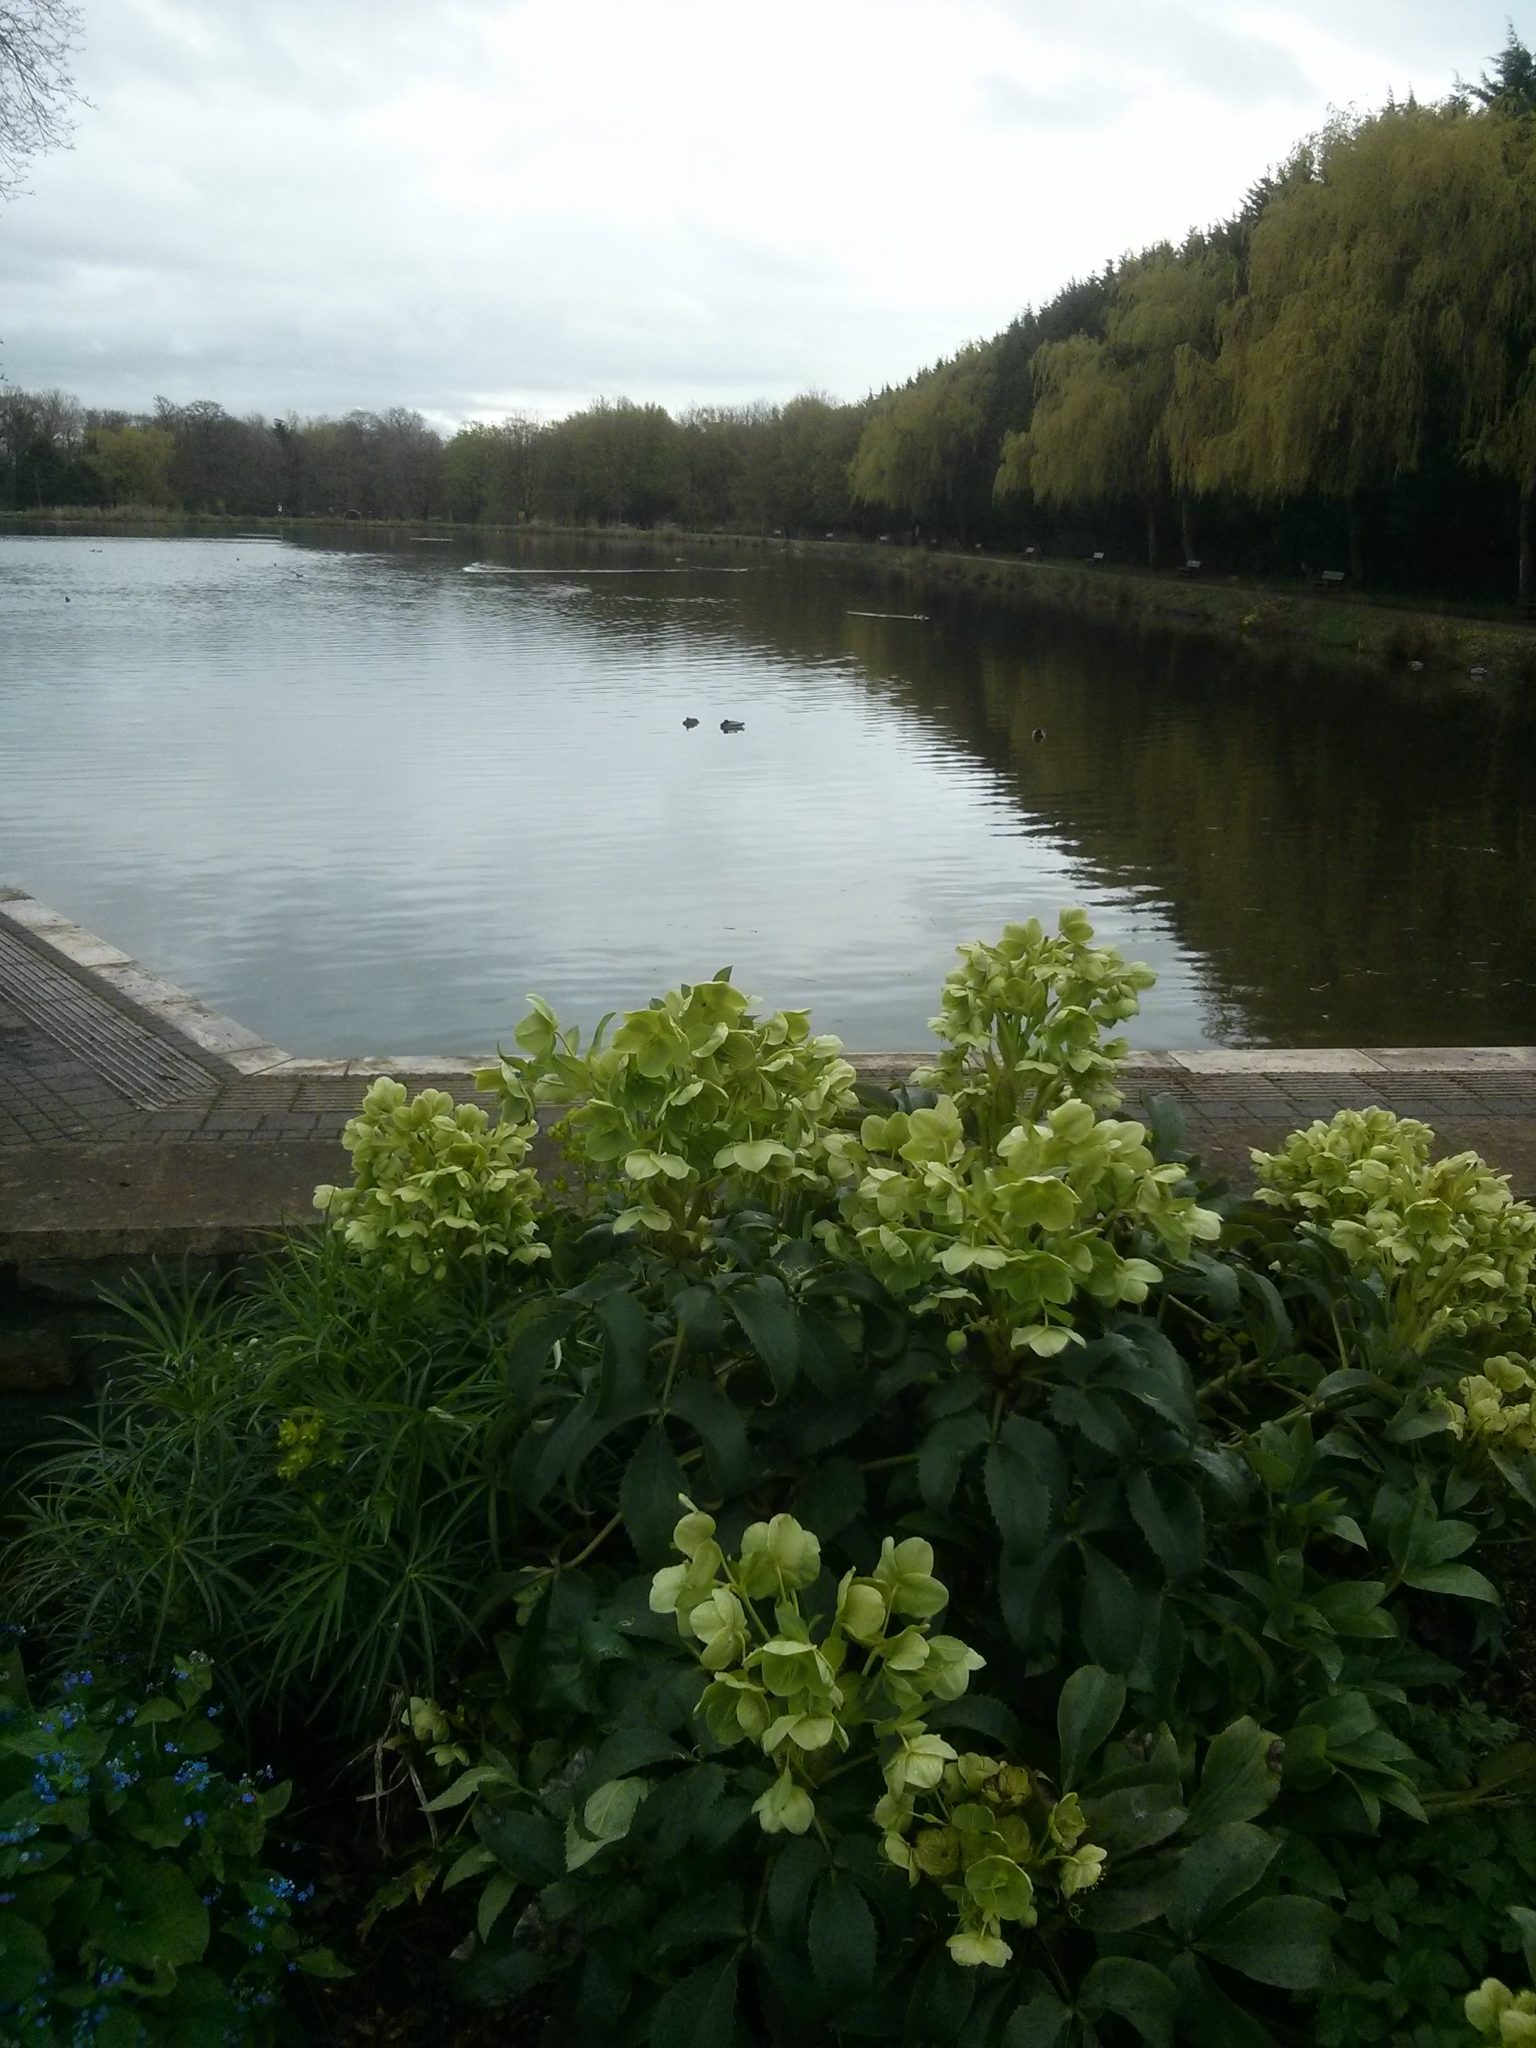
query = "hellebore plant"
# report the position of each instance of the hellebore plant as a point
(983, 1830)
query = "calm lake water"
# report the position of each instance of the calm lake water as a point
(366, 797)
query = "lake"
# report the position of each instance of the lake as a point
(364, 795)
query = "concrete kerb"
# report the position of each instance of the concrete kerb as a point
(160, 1004)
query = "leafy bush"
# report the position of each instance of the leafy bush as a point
(136, 1904)
(696, 1109)
(287, 1482)
(1493, 2010)
(434, 1184)
(1451, 1249)
(1198, 1483)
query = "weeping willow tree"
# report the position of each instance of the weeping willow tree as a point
(918, 442)
(1099, 428)
(1384, 285)
(1501, 421)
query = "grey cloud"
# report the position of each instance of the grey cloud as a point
(1135, 41)
(1008, 102)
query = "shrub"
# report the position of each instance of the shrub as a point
(1198, 1485)
(434, 1184)
(137, 1907)
(288, 1484)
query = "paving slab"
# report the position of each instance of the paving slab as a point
(135, 1120)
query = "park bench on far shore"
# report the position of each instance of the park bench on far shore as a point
(1329, 579)
(1190, 568)
(1095, 557)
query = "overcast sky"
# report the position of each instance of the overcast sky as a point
(476, 206)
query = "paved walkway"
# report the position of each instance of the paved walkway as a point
(135, 1120)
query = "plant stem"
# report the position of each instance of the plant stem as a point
(569, 1564)
(672, 1365)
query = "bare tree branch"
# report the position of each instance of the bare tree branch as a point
(38, 94)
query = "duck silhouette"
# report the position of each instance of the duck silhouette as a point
(689, 724)
(733, 725)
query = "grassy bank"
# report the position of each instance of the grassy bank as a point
(1382, 632)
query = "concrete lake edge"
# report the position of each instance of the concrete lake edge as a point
(140, 1127)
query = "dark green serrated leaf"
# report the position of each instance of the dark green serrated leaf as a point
(1097, 1416)
(829, 1497)
(768, 1322)
(1133, 1817)
(717, 1422)
(1087, 1714)
(1239, 1778)
(842, 1940)
(700, 2010)
(533, 1331)
(1287, 1942)
(1135, 1992)
(1039, 2024)
(796, 1866)
(1027, 1595)
(701, 1316)
(989, 1717)
(628, 1335)
(1168, 1513)
(1111, 1612)
(1020, 1504)
(649, 1496)
(1217, 1871)
(944, 1452)
(941, 2003)
(1207, 2017)
(716, 1915)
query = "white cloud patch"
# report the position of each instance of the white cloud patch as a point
(530, 202)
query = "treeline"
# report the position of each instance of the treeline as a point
(1341, 375)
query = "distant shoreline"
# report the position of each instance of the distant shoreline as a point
(1383, 633)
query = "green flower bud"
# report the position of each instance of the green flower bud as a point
(1003, 1890)
(785, 1808)
(693, 1532)
(1066, 1822)
(807, 1731)
(861, 1610)
(905, 1575)
(720, 1623)
(788, 1668)
(918, 1764)
(777, 1558)
(735, 1710)
(936, 1851)
(981, 1946)
(1082, 1870)
(907, 1652)
(947, 1672)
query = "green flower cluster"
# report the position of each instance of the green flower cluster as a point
(1501, 2016)
(303, 1437)
(1454, 1252)
(873, 1673)
(1021, 1230)
(694, 1108)
(988, 1833)
(1022, 1019)
(435, 1184)
(1495, 1404)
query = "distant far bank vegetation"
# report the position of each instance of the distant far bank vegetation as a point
(1339, 378)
